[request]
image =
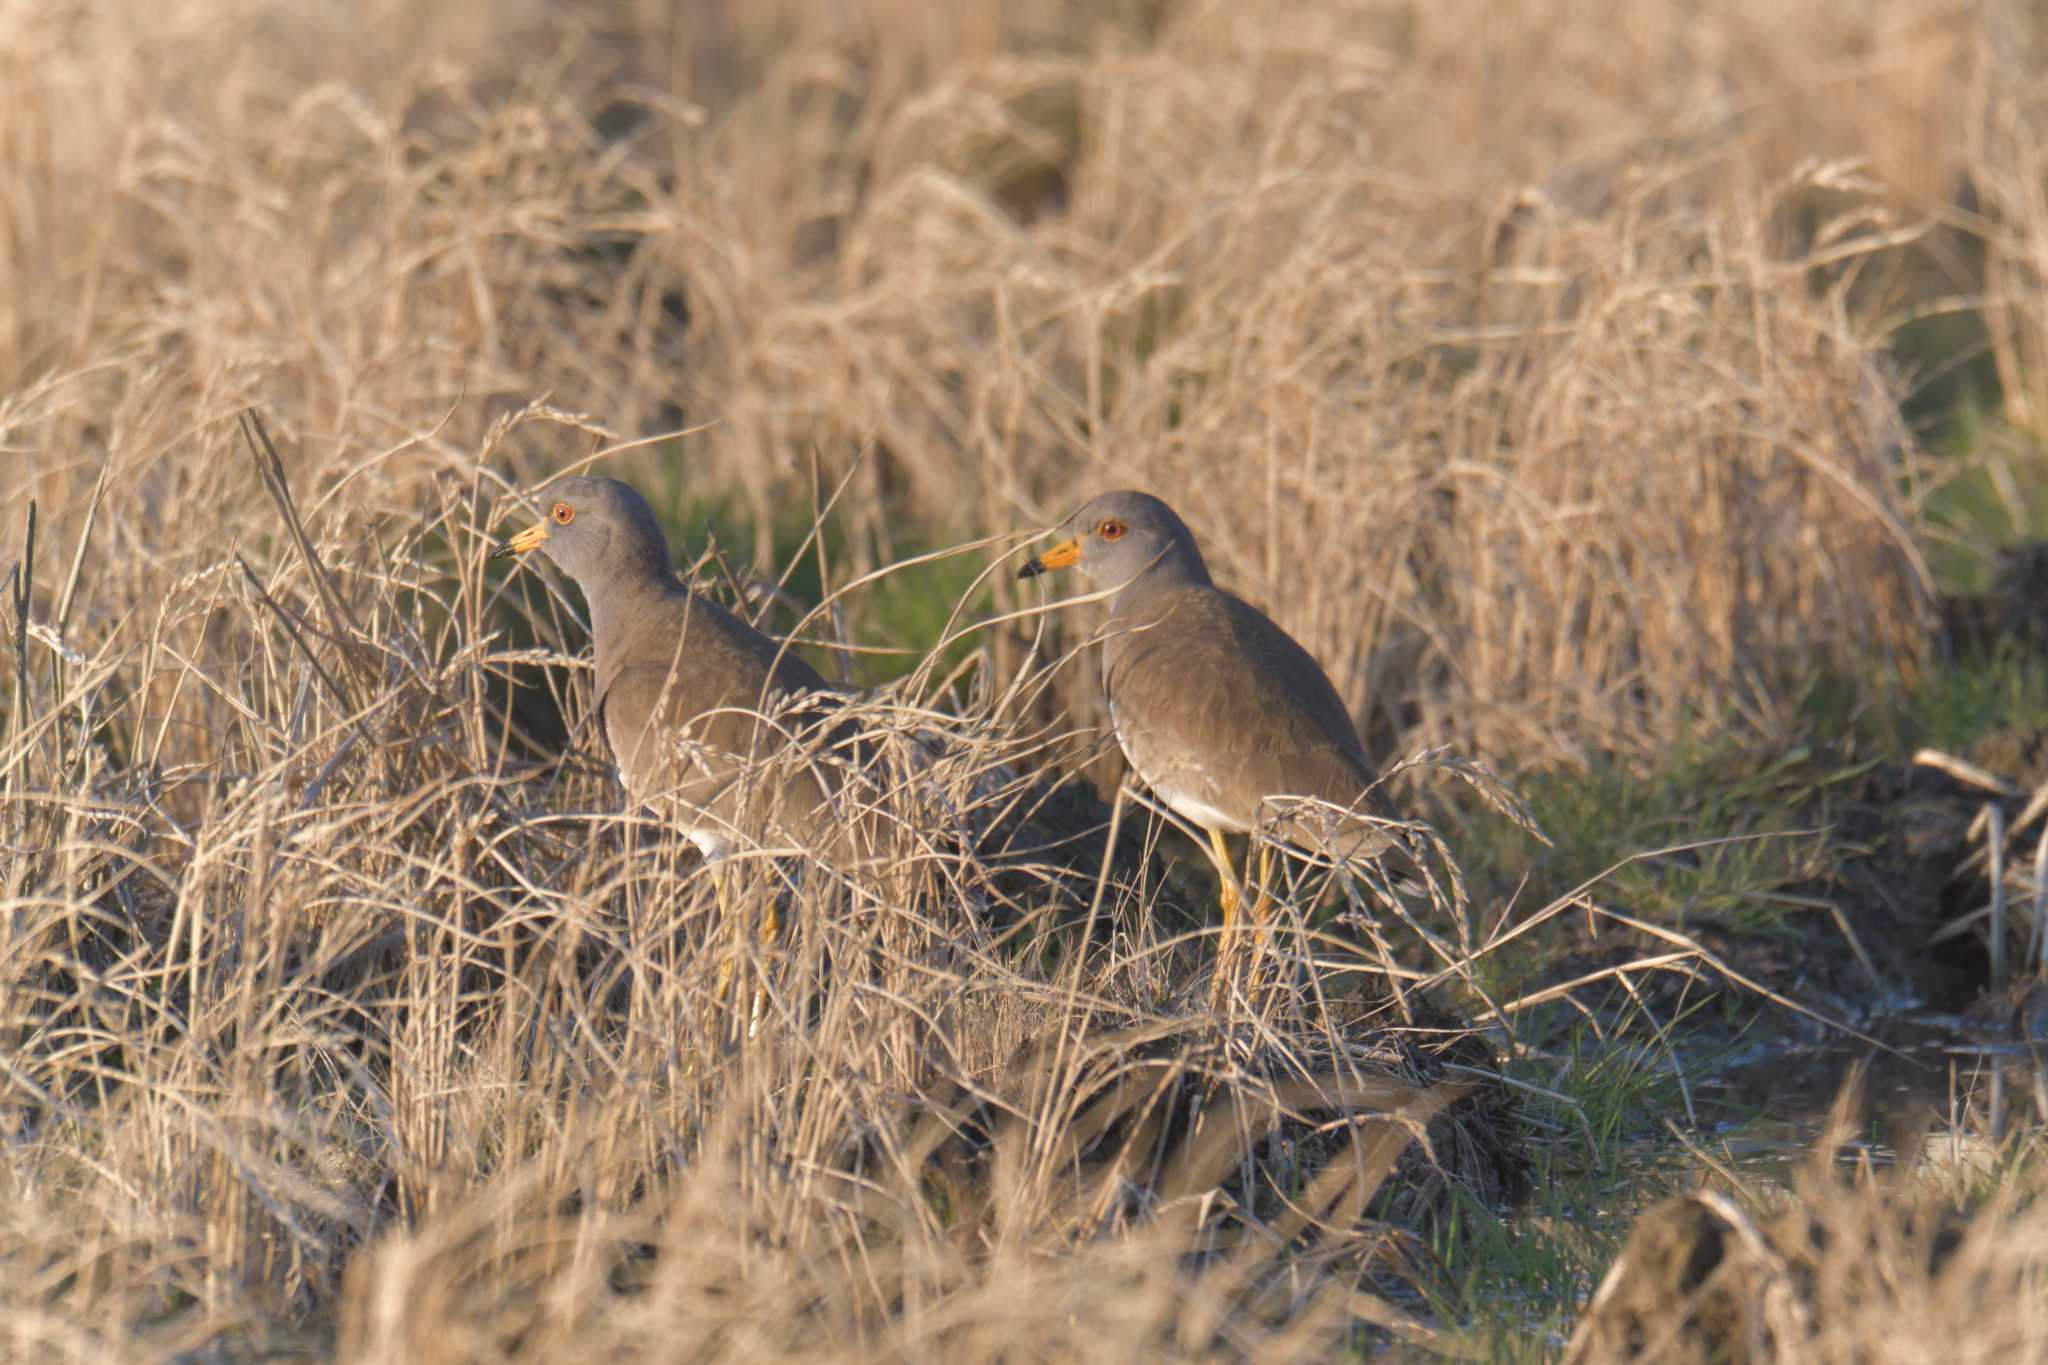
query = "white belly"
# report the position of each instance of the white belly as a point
(1188, 807)
(1177, 795)
(712, 836)
(713, 843)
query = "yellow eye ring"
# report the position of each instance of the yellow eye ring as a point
(563, 513)
(1111, 529)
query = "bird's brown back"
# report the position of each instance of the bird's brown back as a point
(710, 688)
(1214, 697)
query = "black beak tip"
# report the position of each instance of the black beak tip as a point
(504, 550)
(1032, 569)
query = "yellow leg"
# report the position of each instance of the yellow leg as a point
(1261, 908)
(770, 923)
(725, 924)
(770, 926)
(1264, 905)
(1232, 894)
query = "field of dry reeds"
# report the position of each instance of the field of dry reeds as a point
(1582, 383)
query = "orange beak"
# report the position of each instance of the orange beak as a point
(526, 540)
(1058, 557)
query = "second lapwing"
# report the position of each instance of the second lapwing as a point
(1220, 712)
(692, 700)
(682, 684)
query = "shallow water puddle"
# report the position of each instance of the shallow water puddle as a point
(1937, 1074)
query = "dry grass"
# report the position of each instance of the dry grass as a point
(364, 1019)
(1548, 422)
(1527, 360)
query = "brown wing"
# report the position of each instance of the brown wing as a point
(1218, 701)
(695, 698)
(718, 647)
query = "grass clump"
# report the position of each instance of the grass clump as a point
(434, 1049)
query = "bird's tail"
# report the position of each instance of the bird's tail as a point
(1394, 854)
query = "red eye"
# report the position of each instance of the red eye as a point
(563, 513)
(1111, 530)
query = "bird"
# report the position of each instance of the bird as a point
(690, 698)
(1219, 711)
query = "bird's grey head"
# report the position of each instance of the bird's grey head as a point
(598, 531)
(1121, 536)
